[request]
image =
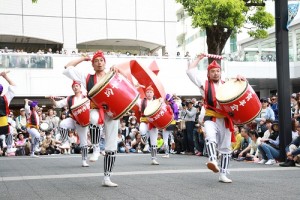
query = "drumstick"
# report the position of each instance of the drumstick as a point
(55, 97)
(213, 56)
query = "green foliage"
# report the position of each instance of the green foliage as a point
(215, 16)
(34, 1)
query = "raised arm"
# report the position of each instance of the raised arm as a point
(4, 75)
(196, 61)
(75, 62)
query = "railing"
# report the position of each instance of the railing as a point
(18, 60)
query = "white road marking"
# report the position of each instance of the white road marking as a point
(133, 173)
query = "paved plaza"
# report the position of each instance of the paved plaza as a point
(61, 177)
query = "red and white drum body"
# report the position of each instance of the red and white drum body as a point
(115, 93)
(81, 112)
(158, 114)
(239, 100)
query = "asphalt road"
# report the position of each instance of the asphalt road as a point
(61, 177)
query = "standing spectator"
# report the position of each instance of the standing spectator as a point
(189, 115)
(274, 106)
(124, 129)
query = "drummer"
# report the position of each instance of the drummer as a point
(98, 118)
(217, 127)
(147, 129)
(5, 100)
(33, 121)
(168, 132)
(69, 123)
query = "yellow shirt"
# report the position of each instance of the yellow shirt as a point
(236, 145)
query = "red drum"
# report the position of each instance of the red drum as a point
(115, 93)
(158, 114)
(239, 101)
(81, 112)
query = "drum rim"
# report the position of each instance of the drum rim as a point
(128, 107)
(155, 111)
(94, 93)
(235, 97)
(74, 107)
(248, 121)
(167, 124)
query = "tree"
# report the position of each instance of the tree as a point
(34, 1)
(222, 18)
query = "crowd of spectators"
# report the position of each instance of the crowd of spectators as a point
(256, 142)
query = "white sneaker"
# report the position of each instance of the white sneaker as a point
(102, 153)
(154, 162)
(270, 162)
(108, 183)
(172, 151)
(213, 166)
(166, 156)
(34, 156)
(94, 157)
(263, 161)
(146, 148)
(223, 178)
(84, 164)
(37, 149)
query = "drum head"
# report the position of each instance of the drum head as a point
(101, 83)
(79, 103)
(152, 107)
(231, 90)
(44, 126)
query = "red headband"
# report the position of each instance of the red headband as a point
(98, 54)
(149, 88)
(212, 65)
(76, 82)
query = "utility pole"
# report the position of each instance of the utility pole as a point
(283, 74)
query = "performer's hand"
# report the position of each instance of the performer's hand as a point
(114, 69)
(137, 85)
(200, 56)
(240, 78)
(86, 57)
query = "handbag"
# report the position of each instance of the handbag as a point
(182, 125)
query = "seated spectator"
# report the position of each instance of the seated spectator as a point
(160, 143)
(49, 145)
(20, 145)
(138, 144)
(132, 133)
(238, 138)
(73, 141)
(124, 129)
(128, 146)
(240, 154)
(295, 126)
(269, 148)
(255, 141)
(133, 124)
(265, 113)
(292, 153)
(269, 130)
(121, 140)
